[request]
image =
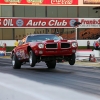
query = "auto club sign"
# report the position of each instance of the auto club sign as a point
(36, 22)
(39, 2)
(13, 22)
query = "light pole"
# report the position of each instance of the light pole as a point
(76, 33)
(76, 25)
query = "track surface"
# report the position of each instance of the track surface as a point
(39, 83)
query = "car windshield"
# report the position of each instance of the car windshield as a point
(42, 38)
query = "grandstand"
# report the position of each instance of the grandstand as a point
(91, 33)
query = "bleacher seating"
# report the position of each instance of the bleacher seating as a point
(68, 36)
(90, 34)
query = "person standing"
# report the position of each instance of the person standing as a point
(58, 34)
(88, 44)
(24, 39)
(16, 43)
(97, 45)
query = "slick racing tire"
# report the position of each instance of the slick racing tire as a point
(32, 58)
(51, 64)
(72, 59)
(15, 62)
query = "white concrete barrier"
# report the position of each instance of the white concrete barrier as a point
(83, 54)
(96, 53)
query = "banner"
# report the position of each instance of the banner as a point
(89, 3)
(51, 2)
(36, 22)
(39, 2)
(2, 51)
(89, 23)
(14, 22)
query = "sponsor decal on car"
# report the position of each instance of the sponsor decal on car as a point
(21, 54)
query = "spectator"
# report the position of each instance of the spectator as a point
(16, 43)
(97, 45)
(58, 34)
(88, 44)
(24, 39)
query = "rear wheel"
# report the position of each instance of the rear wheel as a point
(51, 64)
(32, 58)
(72, 59)
(15, 62)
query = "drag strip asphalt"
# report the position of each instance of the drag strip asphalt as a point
(82, 80)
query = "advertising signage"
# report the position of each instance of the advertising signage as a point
(37, 22)
(39, 2)
(91, 1)
(51, 2)
(12, 22)
(89, 22)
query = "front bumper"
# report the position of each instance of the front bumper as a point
(53, 52)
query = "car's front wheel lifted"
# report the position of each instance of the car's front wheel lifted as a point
(15, 62)
(72, 59)
(51, 64)
(32, 58)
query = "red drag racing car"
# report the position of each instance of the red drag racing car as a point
(43, 47)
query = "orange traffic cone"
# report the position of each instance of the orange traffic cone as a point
(92, 58)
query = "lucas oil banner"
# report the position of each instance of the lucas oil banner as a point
(13, 22)
(36, 22)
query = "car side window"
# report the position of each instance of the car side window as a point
(28, 39)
